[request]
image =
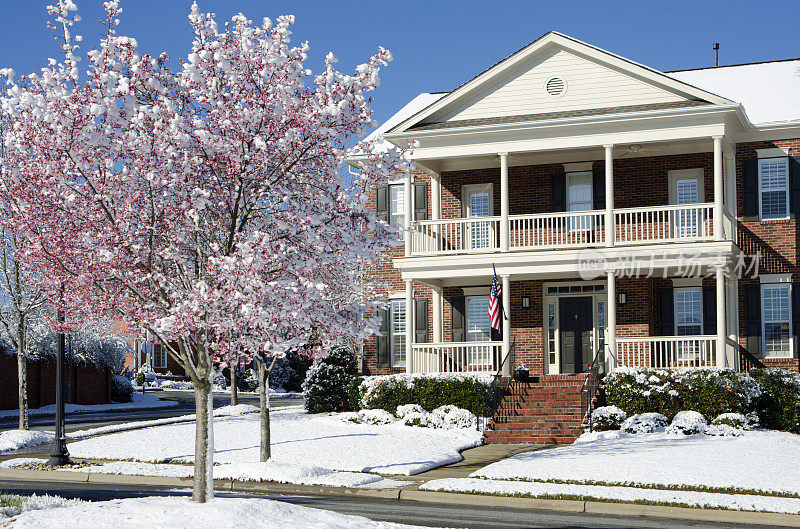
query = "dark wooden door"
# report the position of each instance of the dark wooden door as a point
(575, 323)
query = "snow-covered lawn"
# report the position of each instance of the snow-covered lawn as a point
(222, 513)
(748, 472)
(139, 402)
(298, 438)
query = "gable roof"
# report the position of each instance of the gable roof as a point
(555, 40)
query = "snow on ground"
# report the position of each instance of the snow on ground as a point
(139, 402)
(298, 438)
(32, 503)
(758, 460)
(221, 513)
(16, 439)
(740, 502)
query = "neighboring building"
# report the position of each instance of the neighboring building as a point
(152, 352)
(618, 205)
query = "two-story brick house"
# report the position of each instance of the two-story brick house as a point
(620, 207)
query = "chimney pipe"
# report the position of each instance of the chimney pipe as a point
(716, 54)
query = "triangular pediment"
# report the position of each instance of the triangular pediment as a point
(557, 76)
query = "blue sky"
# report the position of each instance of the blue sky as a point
(440, 44)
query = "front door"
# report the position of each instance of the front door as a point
(575, 322)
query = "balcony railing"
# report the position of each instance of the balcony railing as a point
(572, 229)
(667, 351)
(457, 357)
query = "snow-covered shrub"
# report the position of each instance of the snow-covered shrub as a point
(644, 423)
(405, 409)
(328, 381)
(175, 384)
(708, 391)
(248, 381)
(465, 390)
(607, 418)
(375, 417)
(454, 417)
(121, 389)
(778, 407)
(734, 420)
(422, 419)
(723, 430)
(687, 423)
(289, 372)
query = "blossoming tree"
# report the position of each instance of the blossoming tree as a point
(204, 203)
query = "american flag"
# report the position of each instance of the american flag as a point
(494, 303)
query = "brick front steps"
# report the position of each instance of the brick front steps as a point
(546, 410)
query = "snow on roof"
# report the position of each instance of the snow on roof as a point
(769, 91)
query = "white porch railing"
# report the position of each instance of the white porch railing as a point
(557, 230)
(470, 235)
(667, 351)
(457, 357)
(692, 222)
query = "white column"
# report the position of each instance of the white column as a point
(409, 326)
(609, 165)
(730, 172)
(718, 188)
(733, 319)
(436, 293)
(506, 298)
(721, 334)
(611, 311)
(436, 196)
(504, 201)
(409, 212)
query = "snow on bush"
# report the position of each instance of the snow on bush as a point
(429, 390)
(454, 417)
(607, 418)
(734, 420)
(121, 389)
(687, 423)
(422, 419)
(779, 405)
(13, 505)
(328, 381)
(175, 384)
(405, 409)
(375, 417)
(644, 423)
(723, 430)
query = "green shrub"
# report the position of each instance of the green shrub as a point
(354, 393)
(429, 391)
(121, 389)
(734, 420)
(607, 418)
(778, 406)
(327, 384)
(711, 392)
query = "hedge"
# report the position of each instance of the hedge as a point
(327, 384)
(430, 391)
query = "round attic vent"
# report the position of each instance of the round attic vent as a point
(555, 86)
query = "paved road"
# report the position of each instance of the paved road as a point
(81, 421)
(427, 514)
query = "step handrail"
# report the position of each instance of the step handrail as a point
(490, 408)
(590, 385)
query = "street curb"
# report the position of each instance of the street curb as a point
(540, 504)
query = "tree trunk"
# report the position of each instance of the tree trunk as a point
(203, 490)
(234, 389)
(22, 376)
(263, 397)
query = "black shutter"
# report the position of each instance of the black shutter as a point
(421, 201)
(750, 191)
(599, 188)
(457, 320)
(382, 203)
(558, 192)
(796, 317)
(794, 187)
(420, 320)
(752, 310)
(666, 313)
(383, 339)
(709, 310)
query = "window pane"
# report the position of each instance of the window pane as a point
(579, 191)
(774, 181)
(478, 324)
(479, 204)
(397, 204)
(687, 191)
(776, 313)
(688, 311)
(398, 331)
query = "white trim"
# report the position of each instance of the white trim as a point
(790, 353)
(686, 174)
(683, 282)
(469, 189)
(775, 278)
(760, 192)
(400, 294)
(577, 167)
(476, 291)
(776, 152)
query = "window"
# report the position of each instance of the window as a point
(158, 356)
(687, 191)
(478, 203)
(478, 329)
(397, 329)
(776, 319)
(773, 185)
(551, 331)
(688, 311)
(397, 204)
(579, 198)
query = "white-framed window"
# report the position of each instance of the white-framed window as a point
(551, 332)
(397, 330)
(773, 187)
(159, 356)
(478, 329)
(478, 202)
(397, 204)
(580, 198)
(688, 311)
(776, 319)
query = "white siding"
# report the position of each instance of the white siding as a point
(589, 85)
